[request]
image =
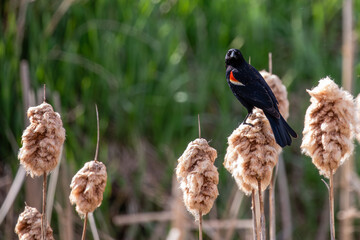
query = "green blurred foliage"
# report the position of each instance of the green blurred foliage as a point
(152, 67)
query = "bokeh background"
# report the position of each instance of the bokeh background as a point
(152, 66)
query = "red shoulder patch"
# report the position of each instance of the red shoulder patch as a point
(232, 78)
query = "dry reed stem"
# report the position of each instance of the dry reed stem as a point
(262, 213)
(253, 210)
(252, 153)
(331, 201)
(198, 177)
(29, 225)
(42, 140)
(329, 127)
(200, 226)
(84, 228)
(348, 54)
(272, 217)
(43, 215)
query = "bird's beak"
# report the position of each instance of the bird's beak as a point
(232, 54)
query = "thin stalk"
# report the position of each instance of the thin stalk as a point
(43, 216)
(270, 62)
(200, 226)
(98, 133)
(272, 218)
(331, 205)
(253, 209)
(199, 126)
(262, 214)
(44, 92)
(84, 228)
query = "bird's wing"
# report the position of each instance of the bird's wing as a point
(255, 91)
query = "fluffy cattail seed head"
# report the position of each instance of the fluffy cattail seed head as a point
(28, 226)
(87, 187)
(42, 140)
(198, 177)
(329, 126)
(252, 153)
(279, 91)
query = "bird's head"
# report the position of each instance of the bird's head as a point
(234, 58)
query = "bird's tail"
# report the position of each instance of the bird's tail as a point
(281, 130)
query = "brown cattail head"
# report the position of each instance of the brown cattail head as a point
(87, 187)
(329, 126)
(279, 91)
(42, 140)
(198, 177)
(252, 153)
(28, 226)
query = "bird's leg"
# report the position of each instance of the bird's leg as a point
(244, 121)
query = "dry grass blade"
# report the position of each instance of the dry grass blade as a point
(348, 53)
(93, 228)
(14, 190)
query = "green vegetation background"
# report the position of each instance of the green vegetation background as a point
(152, 66)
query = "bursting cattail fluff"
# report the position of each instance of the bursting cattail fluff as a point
(252, 153)
(87, 187)
(42, 140)
(28, 226)
(198, 177)
(329, 126)
(279, 91)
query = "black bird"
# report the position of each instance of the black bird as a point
(250, 88)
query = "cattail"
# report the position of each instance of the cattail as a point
(87, 187)
(42, 140)
(250, 158)
(329, 126)
(198, 177)
(28, 226)
(252, 153)
(279, 91)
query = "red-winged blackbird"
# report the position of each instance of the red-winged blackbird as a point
(250, 88)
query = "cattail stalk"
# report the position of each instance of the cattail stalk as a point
(84, 228)
(331, 201)
(272, 213)
(262, 213)
(200, 214)
(253, 210)
(43, 216)
(200, 226)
